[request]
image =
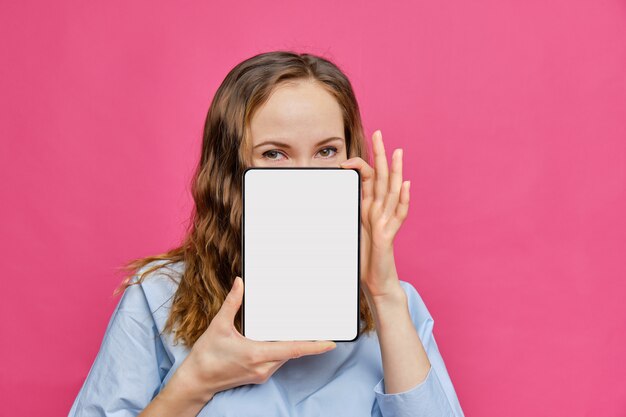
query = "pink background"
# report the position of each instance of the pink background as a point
(512, 116)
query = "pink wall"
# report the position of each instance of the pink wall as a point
(512, 116)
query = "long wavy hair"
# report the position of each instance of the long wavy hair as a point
(211, 249)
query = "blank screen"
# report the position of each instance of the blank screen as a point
(300, 244)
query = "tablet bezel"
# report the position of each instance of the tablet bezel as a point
(243, 211)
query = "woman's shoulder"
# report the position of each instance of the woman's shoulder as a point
(155, 292)
(160, 284)
(417, 307)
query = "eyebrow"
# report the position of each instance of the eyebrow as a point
(285, 145)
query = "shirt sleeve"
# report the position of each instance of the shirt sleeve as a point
(130, 365)
(435, 395)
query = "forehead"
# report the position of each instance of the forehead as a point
(302, 111)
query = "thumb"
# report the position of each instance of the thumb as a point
(233, 300)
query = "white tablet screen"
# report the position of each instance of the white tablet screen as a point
(300, 244)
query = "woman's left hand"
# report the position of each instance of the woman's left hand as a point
(384, 206)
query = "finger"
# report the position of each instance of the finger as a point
(232, 303)
(272, 351)
(367, 175)
(381, 183)
(395, 183)
(402, 210)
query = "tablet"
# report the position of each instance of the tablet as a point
(300, 253)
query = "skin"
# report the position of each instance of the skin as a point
(300, 116)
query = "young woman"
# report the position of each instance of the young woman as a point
(173, 345)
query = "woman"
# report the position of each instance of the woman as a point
(277, 109)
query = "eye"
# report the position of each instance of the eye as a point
(272, 152)
(326, 153)
(330, 148)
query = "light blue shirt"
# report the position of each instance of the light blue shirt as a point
(135, 362)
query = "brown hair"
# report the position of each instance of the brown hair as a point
(211, 250)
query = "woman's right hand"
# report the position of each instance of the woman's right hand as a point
(223, 358)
